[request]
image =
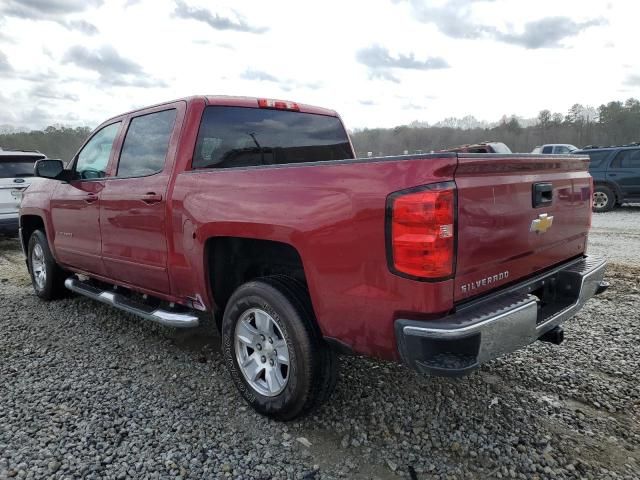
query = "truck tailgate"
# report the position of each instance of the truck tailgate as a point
(505, 233)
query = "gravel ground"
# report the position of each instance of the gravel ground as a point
(615, 234)
(89, 392)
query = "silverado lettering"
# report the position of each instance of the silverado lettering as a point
(485, 281)
(255, 214)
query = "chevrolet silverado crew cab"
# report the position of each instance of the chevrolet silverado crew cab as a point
(255, 213)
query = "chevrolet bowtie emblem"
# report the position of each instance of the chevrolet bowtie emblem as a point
(542, 223)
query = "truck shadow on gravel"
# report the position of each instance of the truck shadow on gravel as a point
(546, 411)
(568, 412)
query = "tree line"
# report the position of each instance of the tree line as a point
(54, 141)
(615, 123)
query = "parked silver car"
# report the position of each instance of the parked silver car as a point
(16, 174)
(555, 148)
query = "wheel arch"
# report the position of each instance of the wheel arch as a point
(611, 185)
(231, 261)
(28, 225)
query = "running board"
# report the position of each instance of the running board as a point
(163, 317)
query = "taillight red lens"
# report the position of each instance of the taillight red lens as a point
(422, 236)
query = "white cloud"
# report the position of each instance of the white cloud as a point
(379, 63)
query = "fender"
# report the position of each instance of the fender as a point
(36, 202)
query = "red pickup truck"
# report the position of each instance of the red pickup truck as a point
(255, 212)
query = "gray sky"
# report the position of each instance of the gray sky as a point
(377, 62)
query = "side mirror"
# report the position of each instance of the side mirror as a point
(48, 169)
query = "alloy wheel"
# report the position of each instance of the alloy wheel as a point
(261, 352)
(38, 266)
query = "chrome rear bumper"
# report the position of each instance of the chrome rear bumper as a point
(499, 324)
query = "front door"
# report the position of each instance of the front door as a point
(133, 203)
(625, 171)
(75, 206)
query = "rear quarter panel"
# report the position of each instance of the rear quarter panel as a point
(334, 215)
(36, 202)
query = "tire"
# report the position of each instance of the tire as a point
(604, 200)
(278, 305)
(47, 277)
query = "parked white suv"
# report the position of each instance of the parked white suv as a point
(16, 174)
(557, 148)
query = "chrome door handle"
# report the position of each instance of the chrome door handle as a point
(151, 197)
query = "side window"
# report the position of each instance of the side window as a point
(94, 157)
(146, 144)
(562, 150)
(627, 159)
(597, 158)
(547, 150)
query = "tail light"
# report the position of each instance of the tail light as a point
(278, 104)
(421, 231)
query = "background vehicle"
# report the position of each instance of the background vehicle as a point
(484, 147)
(16, 174)
(555, 148)
(616, 175)
(256, 210)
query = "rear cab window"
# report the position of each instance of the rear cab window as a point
(244, 137)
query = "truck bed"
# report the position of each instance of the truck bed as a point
(334, 214)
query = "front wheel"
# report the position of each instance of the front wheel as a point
(604, 199)
(46, 276)
(274, 350)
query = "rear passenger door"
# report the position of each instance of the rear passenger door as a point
(133, 202)
(625, 171)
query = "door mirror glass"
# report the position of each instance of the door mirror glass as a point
(49, 168)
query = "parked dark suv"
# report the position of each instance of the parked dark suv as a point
(616, 175)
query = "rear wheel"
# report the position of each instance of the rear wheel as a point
(604, 199)
(46, 275)
(274, 350)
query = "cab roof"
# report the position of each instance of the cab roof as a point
(229, 101)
